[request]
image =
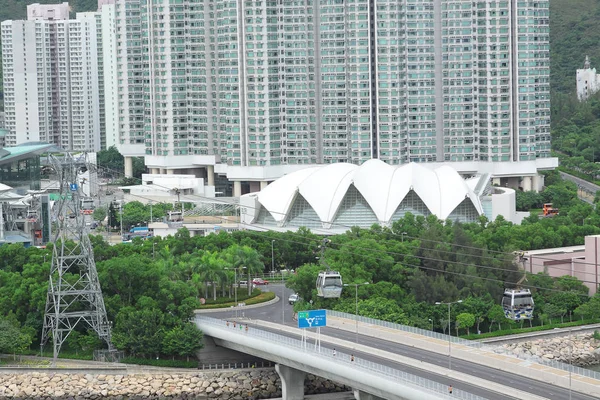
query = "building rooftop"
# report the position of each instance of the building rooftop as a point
(11, 154)
(556, 250)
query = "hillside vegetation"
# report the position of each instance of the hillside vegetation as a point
(573, 35)
(575, 126)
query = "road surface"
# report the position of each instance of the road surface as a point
(283, 312)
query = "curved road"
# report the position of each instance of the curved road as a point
(282, 311)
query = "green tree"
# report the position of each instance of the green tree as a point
(139, 332)
(100, 214)
(11, 338)
(111, 160)
(591, 309)
(210, 270)
(464, 321)
(244, 256)
(479, 307)
(183, 341)
(113, 220)
(528, 200)
(554, 311)
(496, 315)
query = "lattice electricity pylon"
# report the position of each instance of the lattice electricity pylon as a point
(74, 293)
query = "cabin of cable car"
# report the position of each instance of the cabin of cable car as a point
(87, 205)
(329, 284)
(517, 304)
(32, 215)
(175, 216)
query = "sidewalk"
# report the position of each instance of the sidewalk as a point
(482, 357)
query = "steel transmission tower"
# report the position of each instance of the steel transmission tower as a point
(74, 293)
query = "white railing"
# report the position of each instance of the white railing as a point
(471, 343)
(341, 357)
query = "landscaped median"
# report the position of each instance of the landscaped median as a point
(257, 297)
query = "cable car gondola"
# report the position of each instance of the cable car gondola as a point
(87, 206)
(32, 215)
(175, 216)
(329, 283)
(517, 304)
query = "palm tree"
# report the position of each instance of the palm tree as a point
(210, 269)
(245, 256)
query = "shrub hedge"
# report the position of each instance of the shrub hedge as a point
(517, 331)
(259, 298)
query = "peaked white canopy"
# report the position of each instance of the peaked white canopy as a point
(383, 187)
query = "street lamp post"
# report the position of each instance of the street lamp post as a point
(437, 303)
(402, 234)
(430, 320)
(272, 257)
(121, 209)
(235, 286)
(356, 285)
(153, 244)
(570, 363)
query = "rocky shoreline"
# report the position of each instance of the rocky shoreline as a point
(581, 349)
(237, 385)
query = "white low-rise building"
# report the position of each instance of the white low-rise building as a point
(588, 81)
(334, 198)
(168, 189)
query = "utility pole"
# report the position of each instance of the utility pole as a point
(449, 304)
(69, 303)
(272, 257)
(121, 210)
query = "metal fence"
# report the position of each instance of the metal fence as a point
(206, 209)
(341, 357)
(478, 345)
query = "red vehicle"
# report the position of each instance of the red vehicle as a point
(259, 281)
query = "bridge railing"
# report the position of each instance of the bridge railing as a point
(340, 357)
(478, 345)
(406, 328)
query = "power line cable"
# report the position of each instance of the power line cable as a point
(483, 257)
(443, 272)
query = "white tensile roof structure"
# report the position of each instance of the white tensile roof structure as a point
(343, 195)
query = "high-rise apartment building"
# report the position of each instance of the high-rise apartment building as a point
(53, 78)
(261, 83)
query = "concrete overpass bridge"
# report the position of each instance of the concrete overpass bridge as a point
(388, 350)
(295, 358)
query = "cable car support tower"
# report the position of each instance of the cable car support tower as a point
(74, 293)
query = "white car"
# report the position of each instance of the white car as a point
(293, 299)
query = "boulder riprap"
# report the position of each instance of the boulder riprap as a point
(582, 349)
(239, 384)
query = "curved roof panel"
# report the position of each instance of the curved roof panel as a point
(454, 189)
(403, 180)
(277, 196)
(376, 174)
(384, 187)
(326, 188)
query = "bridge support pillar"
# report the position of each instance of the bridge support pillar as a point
(360, 395)
(292, 382)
